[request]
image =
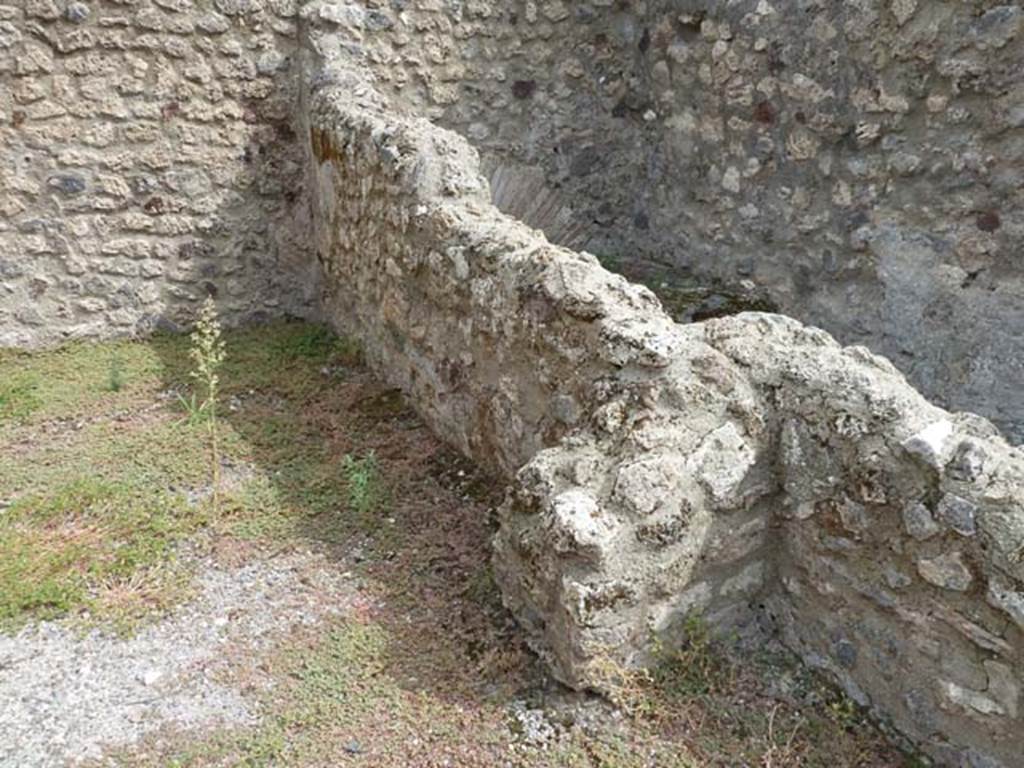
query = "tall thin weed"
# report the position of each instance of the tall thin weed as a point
(207, 353)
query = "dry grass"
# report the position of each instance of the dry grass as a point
(426, 668)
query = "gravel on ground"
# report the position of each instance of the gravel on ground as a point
(68, 696)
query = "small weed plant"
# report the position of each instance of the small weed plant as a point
(115, 373)
(692, 669)
(207, 354)
(696, 667)
(365, 489)
(628, 688)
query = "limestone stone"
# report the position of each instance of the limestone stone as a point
(931, 443)
(970, 700)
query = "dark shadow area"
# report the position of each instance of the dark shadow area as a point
(689, 300)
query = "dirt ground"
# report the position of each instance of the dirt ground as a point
(331, 604)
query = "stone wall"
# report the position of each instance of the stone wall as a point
(859, 161)
(748, 469)
(149, 158)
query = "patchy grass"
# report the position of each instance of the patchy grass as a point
(18, 397)
(102, 475)
(103, 479)
(89, 544)
(366, 492)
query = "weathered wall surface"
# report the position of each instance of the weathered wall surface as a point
(860, 160)
(148, 159)
(748, 468)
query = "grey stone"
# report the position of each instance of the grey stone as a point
(12, 268)
(998, 26)
(948, 571)
(76, 13)
(897, 579)
(1004, 687)
(918, 521)
(68, 183)
(958, 514)
(970, 700)
(968, 462)
(635, 446)
(1004, 597)
(963, 670)
(846, 654)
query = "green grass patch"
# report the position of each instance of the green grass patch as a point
(317, 344)
(75, 379)
(101, 472)
(18, 395)
(366, 491)
(82, 545)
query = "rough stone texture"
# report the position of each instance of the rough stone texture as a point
(149, 158)
(750, 469)
(860, 160)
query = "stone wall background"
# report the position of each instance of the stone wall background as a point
(864, 161)
(149, 158)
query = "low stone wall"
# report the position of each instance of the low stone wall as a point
(859, 161)
(748, 469)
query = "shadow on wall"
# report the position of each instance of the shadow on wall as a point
(255, 257)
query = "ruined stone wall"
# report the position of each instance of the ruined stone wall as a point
(148, 159)
(541, 88)
(749, 469)
(449, 295)
(860, 161)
